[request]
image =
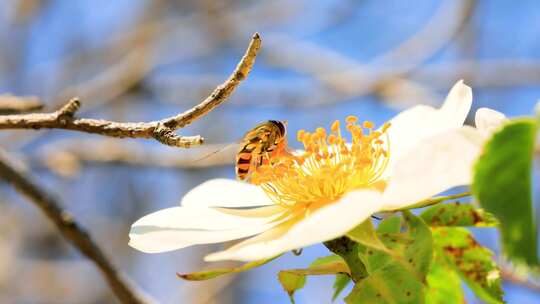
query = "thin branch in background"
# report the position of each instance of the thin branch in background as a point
(501, 72)
(148, 38)
(125, 291)
(113, 81)
(67, 157)
(443, 27)
(511, 276)
(162, 130)
(10, 104)
(349, 77)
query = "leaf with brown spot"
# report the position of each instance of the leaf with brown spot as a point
(411, 248)
(389, 284)
(456, 214)
(398, 276)
(473, 262)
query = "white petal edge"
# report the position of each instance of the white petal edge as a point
(223, 192)
(437, 164)
(411, 126)
(207, 218)
(179, 227)
(164, 240)
(325, 224)
(457, 104)
(488, 120)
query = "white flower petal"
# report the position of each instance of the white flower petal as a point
(433, 166)
(457, 105)
(412, 126)
(322, 225)
(208, 218)
(168, 239)
(488, 120)
(257, 211)
(179, 227)
(225, 193)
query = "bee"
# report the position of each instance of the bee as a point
(259, 145)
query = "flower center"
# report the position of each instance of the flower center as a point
(328, 168)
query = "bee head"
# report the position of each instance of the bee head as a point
(282, 126)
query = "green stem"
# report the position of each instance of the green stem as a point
(434, 200)
(348, 250)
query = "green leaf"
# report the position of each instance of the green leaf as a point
(291, 282)
(365, 235)
(333, 267)
(390, 284)
(412, 248)
(329, 262)
(339, 284)
(398, 276)
(390, 225)
(473, 262)
(456, 214)
(294, 279)
(210, 274)
(420, 251)
(444, 285)
(435, 200)
(502, 185)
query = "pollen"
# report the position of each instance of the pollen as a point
(329, 167)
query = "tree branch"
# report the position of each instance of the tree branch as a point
(509, 275)
(67, 157)
(161, 130)
(10, 104)
(123, 288)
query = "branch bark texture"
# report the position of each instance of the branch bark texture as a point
(163, 130)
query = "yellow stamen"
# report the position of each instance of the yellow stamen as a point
(368, 124)
(351, 119)
(328, 168)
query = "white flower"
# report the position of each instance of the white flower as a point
(324, 192)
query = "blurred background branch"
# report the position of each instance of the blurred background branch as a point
(68, 157)
(70, 230)
(10, 104)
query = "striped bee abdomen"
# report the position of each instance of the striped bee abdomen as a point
(243, 162)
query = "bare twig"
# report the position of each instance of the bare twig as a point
(70, 230)
(10, 104)
(162, 130)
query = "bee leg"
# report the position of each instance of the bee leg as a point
(297, 252)
(269, 157)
